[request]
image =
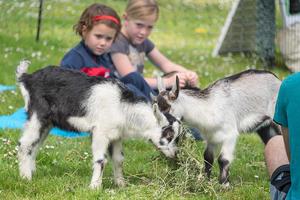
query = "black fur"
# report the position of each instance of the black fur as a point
(171, 119)
(56, 94)
(101, 163)
(208, 161)
(267, 132)
(130, 97)
(224, 170)
(245, 73)
(197, 92)
(163, 105)
(168, 133)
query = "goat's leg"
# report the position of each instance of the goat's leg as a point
(99, 147)
(269, 131)
(224, 170)
(44, 133)
(225, 158)
(28, 146)
(208, 159)
(116, 152)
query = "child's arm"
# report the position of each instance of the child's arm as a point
(168, 80)
(163, 62)
(124, 67)
(122, 63)
(186, 77)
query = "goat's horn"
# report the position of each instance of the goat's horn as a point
(175, 88)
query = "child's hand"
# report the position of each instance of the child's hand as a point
(171, 80)
(182, 79)
(187, 78)
(191, 78)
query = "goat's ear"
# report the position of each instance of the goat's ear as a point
(153, 98)
(160, 84)
(175, 90)
(162, 121)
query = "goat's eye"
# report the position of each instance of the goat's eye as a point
(172, 97)
(168, 134)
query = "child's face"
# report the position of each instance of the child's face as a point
(137, 30)
(99, 38)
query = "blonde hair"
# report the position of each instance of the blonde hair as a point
(141, 9)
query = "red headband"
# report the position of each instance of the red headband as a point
(106, 17)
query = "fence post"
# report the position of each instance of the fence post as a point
(39, 21)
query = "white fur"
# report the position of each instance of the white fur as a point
(26, 161)
(108, 118)
(237, 108)
(25, 95)
(22, 68)
(228, 108)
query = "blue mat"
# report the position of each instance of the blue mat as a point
(17, 120)
(7, 87)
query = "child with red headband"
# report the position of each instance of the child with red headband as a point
(132, 46)
(98, 27)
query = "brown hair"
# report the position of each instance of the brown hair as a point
(86, 18)
(140, 9)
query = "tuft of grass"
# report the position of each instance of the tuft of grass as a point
(187, 175)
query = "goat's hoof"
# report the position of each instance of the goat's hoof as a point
(26, 176)
(120, 183)
(225, 185)
(33, 168)
(95, 186)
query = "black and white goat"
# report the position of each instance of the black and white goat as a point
(103, 107)
(243, 102)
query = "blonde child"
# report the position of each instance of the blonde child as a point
(132, 46)
(98, 27)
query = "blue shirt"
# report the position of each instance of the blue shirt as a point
(81, 56)
(287, 114)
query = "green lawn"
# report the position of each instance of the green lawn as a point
(64, 165)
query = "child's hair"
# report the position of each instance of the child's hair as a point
(95, 14)
(141, 9)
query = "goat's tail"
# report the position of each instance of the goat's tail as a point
(22, 68)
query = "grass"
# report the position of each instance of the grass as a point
(64, 165)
